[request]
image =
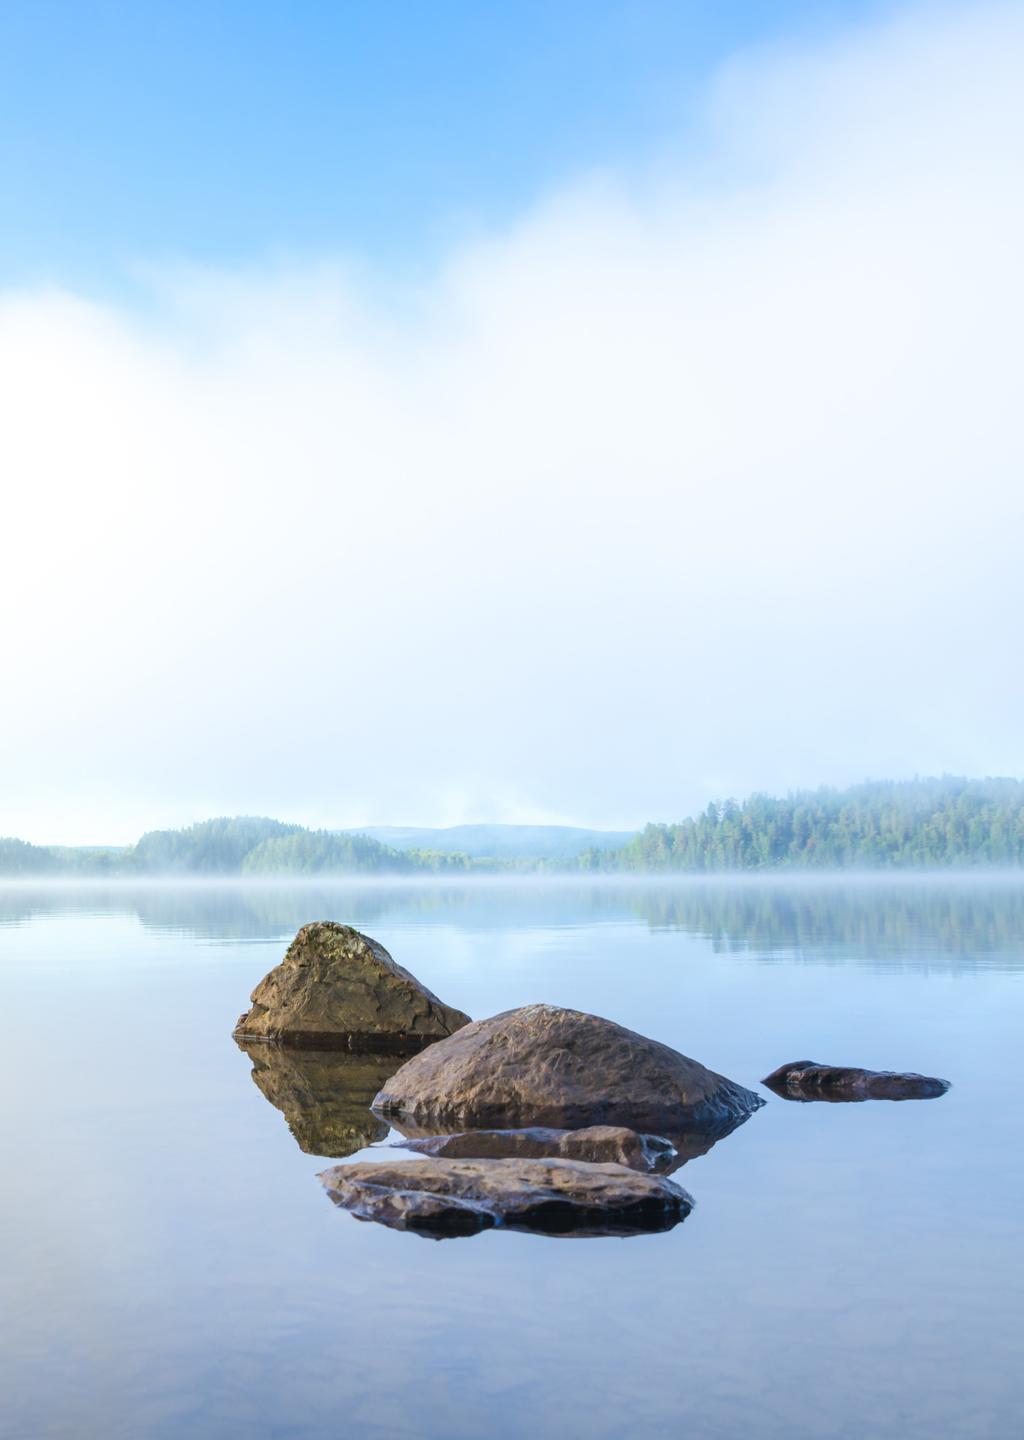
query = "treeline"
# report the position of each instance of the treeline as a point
(899, 824)
(242, 845)
(894, 824)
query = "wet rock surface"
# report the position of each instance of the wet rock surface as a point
(597, 1144)
(324, 1096)
(449, 1197)
(809, 1080)
(546, 1066)
(338, 989)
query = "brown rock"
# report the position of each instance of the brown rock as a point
(460, 1197)
(807, 1080)
(598, 1144)
(543, 1065)
(324, 1095)
(336, 989)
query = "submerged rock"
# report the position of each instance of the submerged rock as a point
(325, 1096)
(686, 1143)
(808, 1080)
(551, 1196)
(336, 989)
(543, 1065)
(597, 1144)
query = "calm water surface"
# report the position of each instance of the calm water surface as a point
(171, 1266)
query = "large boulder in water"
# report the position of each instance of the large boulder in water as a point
(809, 1080)
(461, 1197)
(336, 989)
(324, 1095)
(543, 1065)
(597, 1144)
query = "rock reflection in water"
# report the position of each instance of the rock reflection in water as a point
(543, 1141)
(598, 1144)
(323, 1095)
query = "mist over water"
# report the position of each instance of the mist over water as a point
(844, 1272)
(977, 916)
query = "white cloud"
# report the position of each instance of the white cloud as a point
(692, 482)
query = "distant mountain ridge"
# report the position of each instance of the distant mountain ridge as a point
(497, 842)
(259, 845)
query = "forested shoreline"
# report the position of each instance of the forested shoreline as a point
(915, 824)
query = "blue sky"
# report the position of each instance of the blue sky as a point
(208, 131)
(430, 413)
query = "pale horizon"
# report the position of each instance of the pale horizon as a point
(544, 822)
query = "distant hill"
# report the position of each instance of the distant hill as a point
(258, 845)
(498, 842)
(229, 845)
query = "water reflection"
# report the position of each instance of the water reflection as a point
(325, 1096)
(901, 1291)
(687, 1144)
(600, 1144)
(973, 919)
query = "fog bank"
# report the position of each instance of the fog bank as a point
(691, 482)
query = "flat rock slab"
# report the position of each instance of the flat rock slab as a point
(461, 1197)
(543, 1065)
(337, 989)
(597, 1144)
(324, 1095)
(809, 1080)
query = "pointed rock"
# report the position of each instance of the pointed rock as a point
(336, 989)
(543, 1065)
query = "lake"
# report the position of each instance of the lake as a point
(172, 1267)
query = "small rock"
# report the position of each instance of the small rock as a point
(336, 989)
(598, 1144)
(552, 1196)
(808, 1080)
